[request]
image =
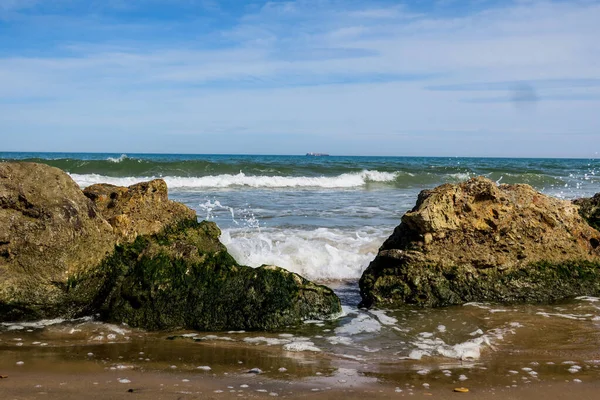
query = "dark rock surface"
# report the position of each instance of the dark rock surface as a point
(589, 209)
(477, 241)
(184, 277)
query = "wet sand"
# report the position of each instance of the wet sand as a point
(21, 385)
(155, 368)
(551, 353)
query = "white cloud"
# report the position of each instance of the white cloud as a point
(314, 68)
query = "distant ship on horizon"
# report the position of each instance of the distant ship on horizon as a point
(317, 154)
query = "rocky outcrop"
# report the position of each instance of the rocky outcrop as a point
(49, 231)
(184, 277)
(477, 241)
(589, 209)
(140, 209)
(134, 256)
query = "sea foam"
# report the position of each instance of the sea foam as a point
(322, 253)
(346, 180)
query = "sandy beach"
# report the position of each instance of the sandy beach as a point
(154, 366)
(22, 385)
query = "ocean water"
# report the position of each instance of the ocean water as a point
(325, 218)
(322, 217)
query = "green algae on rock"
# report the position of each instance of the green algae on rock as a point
(134, 256)
(477, 241)
(184, 278)
(589, 209)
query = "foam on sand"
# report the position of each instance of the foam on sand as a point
(426, 345)
(361, 324)
(301, 346)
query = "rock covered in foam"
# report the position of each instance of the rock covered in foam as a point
(477, 241)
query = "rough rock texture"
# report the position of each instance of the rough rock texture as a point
(133, 256)
(140, 209)
(477, 241)
(48, 231)
(589, 209)
(184, 278)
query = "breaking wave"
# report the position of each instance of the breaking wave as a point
(347, 180)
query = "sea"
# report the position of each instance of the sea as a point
(325, 217)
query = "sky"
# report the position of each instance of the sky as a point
(516, 78)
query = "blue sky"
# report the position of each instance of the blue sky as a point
(354, 77)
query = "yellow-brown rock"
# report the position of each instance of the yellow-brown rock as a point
(49, 232)
(477, 241)
(140, 209)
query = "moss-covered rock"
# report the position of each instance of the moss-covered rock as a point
(184, 278)
(477, 241)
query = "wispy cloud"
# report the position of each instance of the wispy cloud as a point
(321, 68)
(509, 85)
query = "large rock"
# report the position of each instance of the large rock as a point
(49, 231)
(477, 241)
(133, 256)
(140, 209)
(184, 278)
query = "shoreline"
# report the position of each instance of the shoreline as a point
(23, 385)
(154, 367)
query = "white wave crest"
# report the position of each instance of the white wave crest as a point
(347, 180)
(319, 254)
(119, 159)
